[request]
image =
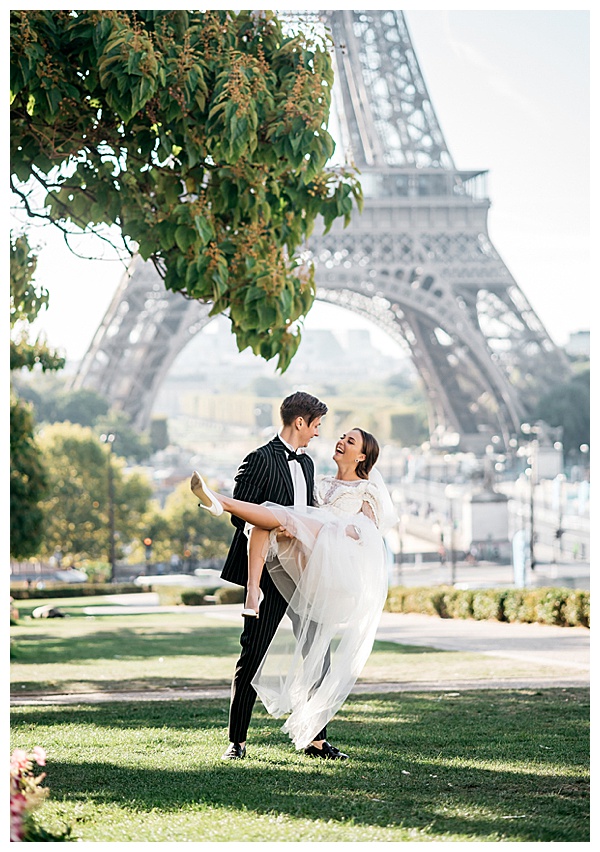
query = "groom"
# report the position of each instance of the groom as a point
(278, 472)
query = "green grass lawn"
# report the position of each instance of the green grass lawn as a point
(192, 649)
(481, 765)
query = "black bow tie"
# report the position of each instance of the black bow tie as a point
(292, 456)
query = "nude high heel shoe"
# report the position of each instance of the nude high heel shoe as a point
(207, 499)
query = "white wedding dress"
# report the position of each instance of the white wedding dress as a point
(333, 574)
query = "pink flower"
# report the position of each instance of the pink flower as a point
(18, 806)
(18, 803)
(26, 792)
(39, 755)
(19, 760)
(16, 829)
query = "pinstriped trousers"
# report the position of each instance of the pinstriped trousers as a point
(255, 640)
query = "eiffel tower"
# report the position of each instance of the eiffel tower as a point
(418, 262)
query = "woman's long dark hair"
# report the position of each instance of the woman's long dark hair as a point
(370, 449)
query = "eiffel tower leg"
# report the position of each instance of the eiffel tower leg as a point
(143, 331)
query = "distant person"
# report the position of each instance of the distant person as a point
(326, 567)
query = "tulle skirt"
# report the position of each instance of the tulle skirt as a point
(333, 575)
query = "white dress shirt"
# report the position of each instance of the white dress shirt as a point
(298, 480)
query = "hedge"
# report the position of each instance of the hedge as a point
(548, 605)
(167, 595)
(230, 595)
(196, 596)
(559, 606)
(73, 590)
(186, 595)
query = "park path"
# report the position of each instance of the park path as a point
(565, 649)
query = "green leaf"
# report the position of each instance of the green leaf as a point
(146, 248)
(204, 228)
(184, 237)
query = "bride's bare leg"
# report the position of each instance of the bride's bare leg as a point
(252, 513)
(263, 521)
(260, 516)
(258, 546)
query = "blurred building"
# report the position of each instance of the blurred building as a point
(579, 344)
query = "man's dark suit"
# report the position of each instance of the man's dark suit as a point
(264, 475)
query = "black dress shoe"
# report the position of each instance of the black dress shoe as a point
(234, 752)
(327, 751)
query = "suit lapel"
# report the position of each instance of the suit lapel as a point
(310, 484)
(284, 469)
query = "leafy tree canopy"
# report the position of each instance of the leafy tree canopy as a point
(28, 483)
(28, 479)
(202, 135)
(568, 405)
(26, 301)
(191, 530)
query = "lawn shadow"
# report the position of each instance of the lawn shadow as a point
(499, 766)
(128, 643)
(178, 715)
(470, 802)
(81, 687)
(397, 648)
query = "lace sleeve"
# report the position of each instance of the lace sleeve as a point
(318, 491)
(367, 510)
(371, 507)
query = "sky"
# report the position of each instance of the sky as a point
(511, 90)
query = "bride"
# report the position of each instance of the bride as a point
(328, 562)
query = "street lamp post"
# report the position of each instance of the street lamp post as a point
(109, 439)
(532, 461)
(452, 493)
(558, 507)
(148, 552)
(584, 449)
(531, 519)
(452, 548)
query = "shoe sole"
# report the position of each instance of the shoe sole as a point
(198, 490)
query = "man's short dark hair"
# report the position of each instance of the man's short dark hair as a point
(301, 404)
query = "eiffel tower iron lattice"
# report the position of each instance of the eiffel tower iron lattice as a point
(418, 262)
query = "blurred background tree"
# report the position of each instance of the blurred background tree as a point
(78, 503)
(28, 480)
(193, 533)
(568, 406)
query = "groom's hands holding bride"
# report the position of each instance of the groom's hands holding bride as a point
(283, 533)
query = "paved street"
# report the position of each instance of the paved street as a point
(564, 647)
(488, 574)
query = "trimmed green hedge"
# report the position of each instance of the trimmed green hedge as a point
(558, 606)
(186, 595)
(73, 590)
(194, 597)
(229, 595)
(173, 595)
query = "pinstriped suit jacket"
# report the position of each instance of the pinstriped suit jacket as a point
(264, 475)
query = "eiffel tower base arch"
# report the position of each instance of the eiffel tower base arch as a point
(418, 262)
